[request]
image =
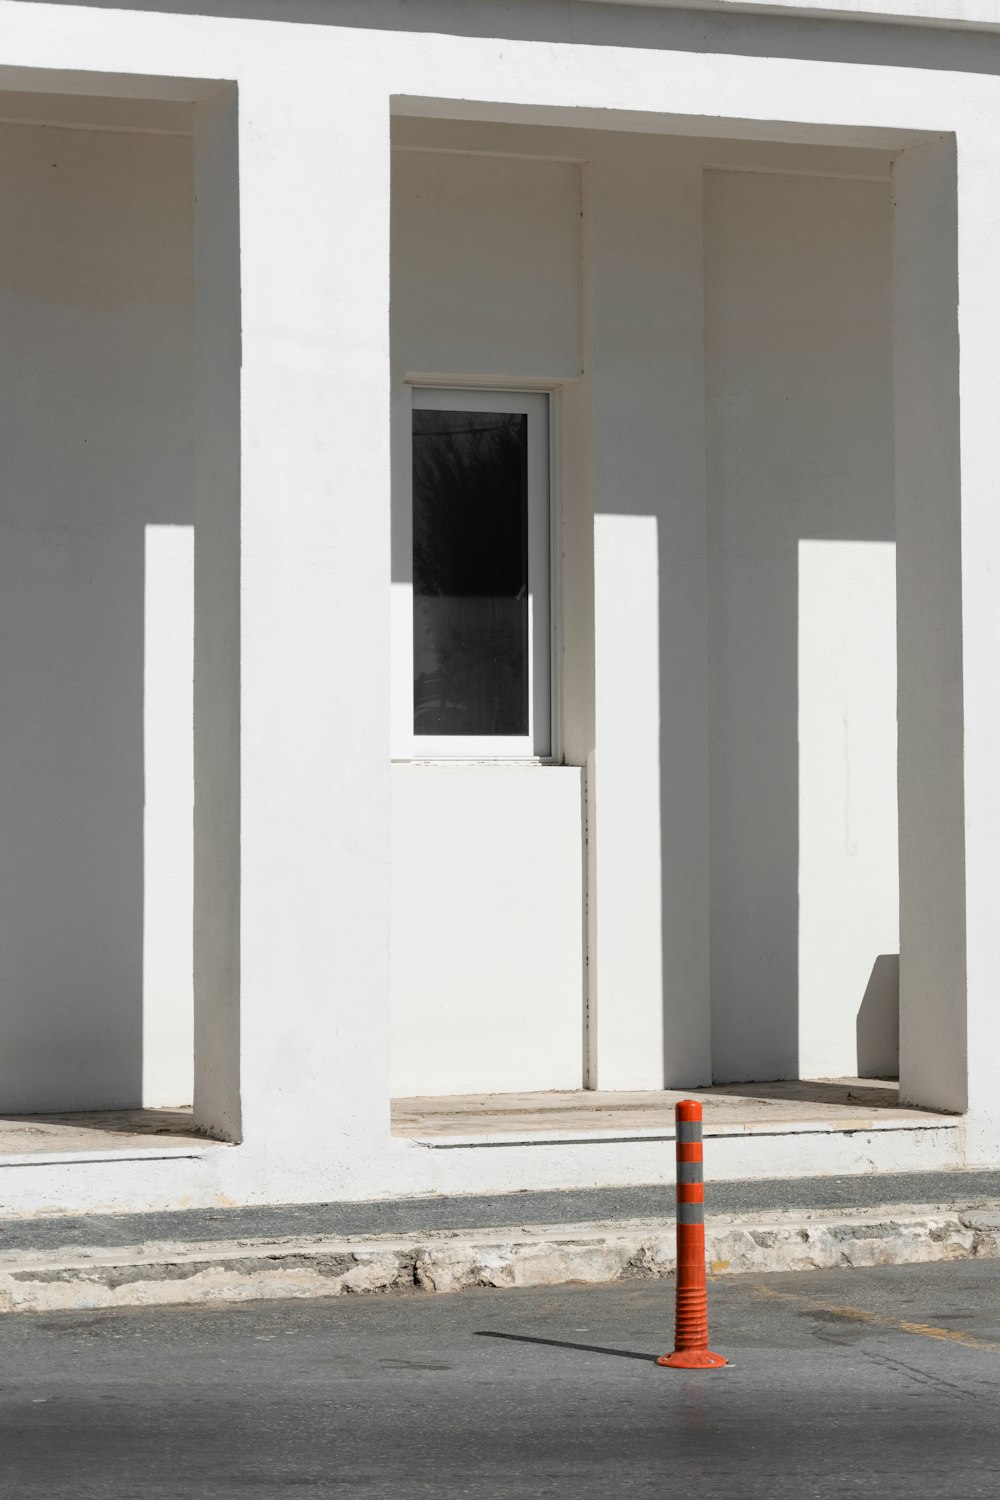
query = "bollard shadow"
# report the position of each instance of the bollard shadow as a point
(528, 1338)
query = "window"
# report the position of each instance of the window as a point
(471, 597)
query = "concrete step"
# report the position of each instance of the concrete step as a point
(76, 1276)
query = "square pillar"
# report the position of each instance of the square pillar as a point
(978, 173)
(303, 1066)
(217, 617)
(648, 779)
(932, 494)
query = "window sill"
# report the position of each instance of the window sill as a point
(516, 762)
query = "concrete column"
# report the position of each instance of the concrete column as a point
(217, 618)
(647, 786)
(314, 1032)
(979, 335)
(931, 496)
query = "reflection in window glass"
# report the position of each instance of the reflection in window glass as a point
(470, 573)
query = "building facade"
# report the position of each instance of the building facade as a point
(500, 541)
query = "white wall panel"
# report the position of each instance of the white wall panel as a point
(487, 929)
(486, 265)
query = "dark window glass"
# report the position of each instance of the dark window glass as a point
(470, 572)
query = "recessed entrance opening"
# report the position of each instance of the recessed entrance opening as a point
(101, 419)
(97, 661)
(732, 568)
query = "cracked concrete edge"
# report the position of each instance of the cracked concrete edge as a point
(157, 1275)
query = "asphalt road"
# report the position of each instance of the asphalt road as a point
(883, 1383)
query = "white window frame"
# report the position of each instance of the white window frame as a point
(537, 743)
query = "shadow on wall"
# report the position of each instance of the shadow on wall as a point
(878, 1021)
(802, 674)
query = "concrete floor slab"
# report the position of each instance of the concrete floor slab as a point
(121, 1132)
(832, 1103)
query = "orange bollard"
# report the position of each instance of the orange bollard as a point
(691, 1351)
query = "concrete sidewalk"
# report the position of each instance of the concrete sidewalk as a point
(521, 1239)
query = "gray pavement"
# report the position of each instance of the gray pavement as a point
(416, 1215)
(847, 1383)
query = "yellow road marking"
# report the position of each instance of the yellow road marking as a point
(901, 1325)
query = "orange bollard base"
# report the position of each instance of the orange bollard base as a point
(692, 1359)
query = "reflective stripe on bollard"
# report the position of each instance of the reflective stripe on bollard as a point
(691, 1351)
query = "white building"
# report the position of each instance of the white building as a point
(594, 786)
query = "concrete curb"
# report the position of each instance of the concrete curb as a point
(157, 1274)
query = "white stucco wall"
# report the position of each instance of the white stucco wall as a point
(486, 266)
(487, 934)
(802, 617)
(168, 760)
(95, 623)
(848, 948)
